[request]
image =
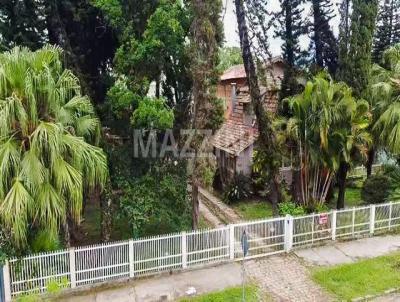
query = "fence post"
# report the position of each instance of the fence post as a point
(231, 241)
(7, 282)
(184, 250)
(72, 267)
(390, 216)
(372, 219)
(131, 261)
(288, 233)
(333, 224)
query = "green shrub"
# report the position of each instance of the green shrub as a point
(32, 297)
(321, 208)
(290, 208)
(6, 248)
(45, 241)
(376, 189)
(393, 172)
(239, 189)
(55, 286)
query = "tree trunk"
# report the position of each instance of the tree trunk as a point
(106, 213)
(341, 178)
(370, 161)
(195, 205)
(66, 233)
(296, 185)
(267, 138)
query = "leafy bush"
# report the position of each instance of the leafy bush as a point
(321, 208)
(153, 113)
(290, 208)
(393, 172)
(45, 241)
(6, 248)
(376, 189)
(157, 202)
(55, 286)
(240, 188)
(32, 297)
(121, 99)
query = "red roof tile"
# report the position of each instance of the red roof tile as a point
(234, 137)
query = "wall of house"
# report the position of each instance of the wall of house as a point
(224, 91)
(226, 165)
(244, 161)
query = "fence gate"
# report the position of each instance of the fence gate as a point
(2, 298)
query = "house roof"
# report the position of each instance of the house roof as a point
(234, 137)
(238, 71)
(234, 72)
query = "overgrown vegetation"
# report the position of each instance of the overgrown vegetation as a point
(150, 68)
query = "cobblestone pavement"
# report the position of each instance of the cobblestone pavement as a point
(285, 278)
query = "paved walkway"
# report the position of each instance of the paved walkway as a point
(167, 287)
(283, 277)
(350, 251)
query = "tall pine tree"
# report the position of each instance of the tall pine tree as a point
(289, 28)
(323, 42)
(386, 28)
(396, 23)
(356, 45)
(88, 42)
(22, 23)
(355, 60)
(206, 35)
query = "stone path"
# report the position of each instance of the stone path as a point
(224, 213)
(285, 278)
(212, 220)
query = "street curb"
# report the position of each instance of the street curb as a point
(369, 297)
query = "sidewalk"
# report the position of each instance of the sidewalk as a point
(350, 251)
(284, 277)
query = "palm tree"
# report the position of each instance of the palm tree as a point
(386, 101)
(46, 159)
(329, 127)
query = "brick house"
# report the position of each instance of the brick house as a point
(234, 142)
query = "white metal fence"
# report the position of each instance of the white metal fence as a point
(135, 258)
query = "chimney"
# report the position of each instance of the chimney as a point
(233, 97)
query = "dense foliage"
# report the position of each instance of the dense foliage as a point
(154, 65)
(369, 192)
(157, 202)
(46, 159)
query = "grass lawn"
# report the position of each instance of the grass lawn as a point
(253, 209)
(352, 197)
(366, 277)
(233, 294)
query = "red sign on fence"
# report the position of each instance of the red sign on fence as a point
(323, 219)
